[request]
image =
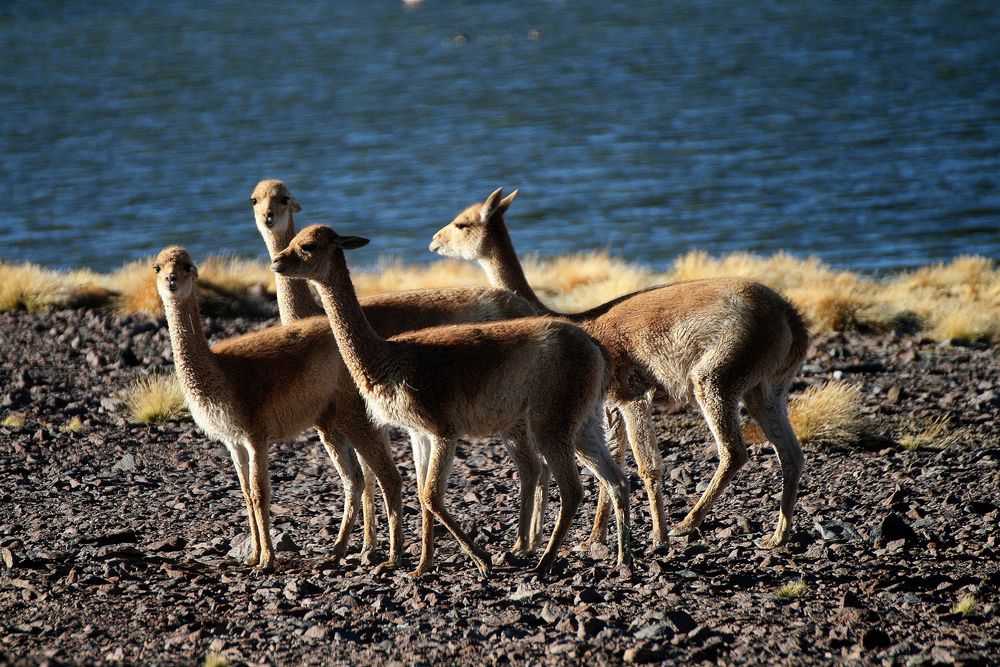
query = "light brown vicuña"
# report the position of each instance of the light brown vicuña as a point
(252, 390)
(537, 374)
(719, 341)
(274, 206)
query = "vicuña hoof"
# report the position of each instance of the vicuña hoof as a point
(772, 542)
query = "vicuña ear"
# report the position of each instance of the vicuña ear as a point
(350, 242)
(506, 202)
(296, 207)
(490, 204)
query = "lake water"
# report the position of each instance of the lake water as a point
(867, 133)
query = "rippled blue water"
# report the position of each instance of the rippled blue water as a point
(867, 133)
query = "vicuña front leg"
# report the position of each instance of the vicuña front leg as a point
(563, 467)
(432, 498)
(241, 462)
(639, 426)
(260, 498)
(372, 444)
(530, 472)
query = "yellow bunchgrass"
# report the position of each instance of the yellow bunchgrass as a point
(12, 420)
(791, 590)
(74, 425)
(155, 399)
(214, 659)
(967, 606)
(934, 434)
(957, 300)
(35, 289)
(826, 414)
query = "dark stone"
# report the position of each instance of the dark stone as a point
(875, 638)
(681, 621)
(891, 528)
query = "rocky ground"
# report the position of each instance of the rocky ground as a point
(114, 537)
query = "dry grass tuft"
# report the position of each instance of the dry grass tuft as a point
(34, 289)
(827, 414)
(74, 425)
(791, 590)
(13, 420)
(967, 606)
(214, 659)
(155, 399)
(935, 435)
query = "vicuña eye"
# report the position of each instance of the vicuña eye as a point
(308, 247)
(156, 267)
(253, 200)
(462, 225)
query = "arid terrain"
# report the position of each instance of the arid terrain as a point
(115, 537)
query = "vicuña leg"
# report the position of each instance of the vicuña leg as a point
(768, 405)
(563, 467)
(617, 438)
(593, 453)
(260, 498)
(432, 497)
(529, 471)
(241, 462)
(372, 446)
(639, 426)
(351, 476)
(720, 407)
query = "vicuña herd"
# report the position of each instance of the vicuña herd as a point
(474, 362)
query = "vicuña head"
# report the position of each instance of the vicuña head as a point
(273, 206)
(176, 274)
(308, 255)
(472, 228)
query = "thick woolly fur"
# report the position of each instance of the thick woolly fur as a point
(716, 341)
(538, 375)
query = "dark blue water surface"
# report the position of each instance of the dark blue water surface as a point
(867, 133)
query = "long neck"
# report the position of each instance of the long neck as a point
(364, 351)
(197, 368)
(295, 301)
(503, 268)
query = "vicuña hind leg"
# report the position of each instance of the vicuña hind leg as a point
(351, 476)
(617, 437)
(721, 410)
(768, 405)
(372, 445)
(558, 452)
(593, 453)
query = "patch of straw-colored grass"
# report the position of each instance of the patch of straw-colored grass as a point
(968, 605)
(827, 414)
(935, 435)
(13, 420)
(35, 289)
(74, 425)
(155, 399)
(214, 659)
(791, 590)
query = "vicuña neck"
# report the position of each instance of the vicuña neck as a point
(295, 301)
(197, 368)
(364, 351)
(504, 269)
